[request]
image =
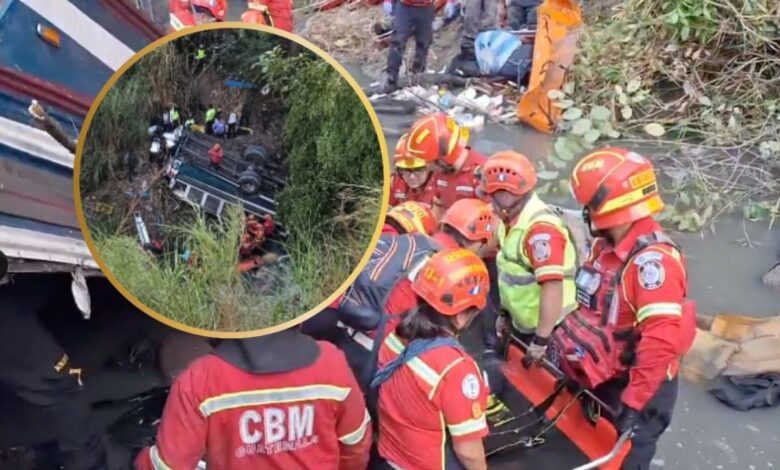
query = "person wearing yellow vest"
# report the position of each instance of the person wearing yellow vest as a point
(536, 259)
(211, 115)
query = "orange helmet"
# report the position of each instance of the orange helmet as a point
(403, 160)
(616, 186)
(510, 171)
(413, 217)
(216, 8)
(437, 137)
(452, 281)
(473, 218)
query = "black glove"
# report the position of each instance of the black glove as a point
(627, 419)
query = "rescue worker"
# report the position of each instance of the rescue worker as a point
(410, 18)
(276, 13)
(406, 219)
(634, 321)
(381, 291)
(537, 259)
(200, 54)
(521, 14)
(409, 217)
(436, 138)
(432, 397)
(218, 128)
(412, 179)
(208, 121)
(173, 115)
(35, 368)
(215, 156)
(232, 125)
(277, 401)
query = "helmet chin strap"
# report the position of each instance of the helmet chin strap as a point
(593, 232)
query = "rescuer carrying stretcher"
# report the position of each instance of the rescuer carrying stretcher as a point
(634, 321)
(536, 260)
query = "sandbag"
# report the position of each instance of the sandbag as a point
(740, 328)
(708, 357)
(555, 46)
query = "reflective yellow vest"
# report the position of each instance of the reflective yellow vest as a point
(174, 114)
(520, 293)
(200, 55)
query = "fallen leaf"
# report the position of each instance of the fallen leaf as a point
(547, 175)
(592, 136)
(600, 113)
(340, 43)
(633, 85)
(581, 126)
(572, 114)
(655, 129)
(562, 150)
(704, 101)
(626, 112)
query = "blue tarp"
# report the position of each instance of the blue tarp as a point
(239, 84)
(502, 54)
(493, 49)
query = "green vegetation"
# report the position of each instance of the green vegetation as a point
(329, 207)
(697, 77)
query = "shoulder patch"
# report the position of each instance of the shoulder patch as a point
(442, 183)
(651, 274)
(649, 255)
(470, 386)
(541, 250)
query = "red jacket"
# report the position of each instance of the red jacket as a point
(651, 302)
(215, 155)
(309, 418)
(280, 12)
(461, 184)
(400, 192)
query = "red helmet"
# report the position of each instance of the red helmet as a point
(617, 186)
(413, 217)
(472, 218)
(437, 137)
(452, 281)
(510, 171)
(403, 160)
(216, 8)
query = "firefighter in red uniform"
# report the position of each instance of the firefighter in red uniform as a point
(432, 396)
(410, 217)
(277, 401)
(634, 321)
(276, 13)
(437, 138)
(412, 179)
(382, 291)
(185, 13)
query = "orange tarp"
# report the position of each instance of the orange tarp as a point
(555, 46)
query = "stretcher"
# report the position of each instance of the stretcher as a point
(554, 424)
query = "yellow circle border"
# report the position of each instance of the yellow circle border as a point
(80, 149)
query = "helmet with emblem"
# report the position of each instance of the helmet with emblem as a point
(472, 218)
(413, 217)
(215, 8)
(403, 160)
(452, 281)
(509, 171)
(615, 186)
(437, 137)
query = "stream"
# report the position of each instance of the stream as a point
(725, 277)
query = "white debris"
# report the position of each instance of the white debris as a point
(750, 427)
(658, 463)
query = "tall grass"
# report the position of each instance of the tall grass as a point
(210, 293)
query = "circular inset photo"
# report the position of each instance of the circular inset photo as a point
(231, 180)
